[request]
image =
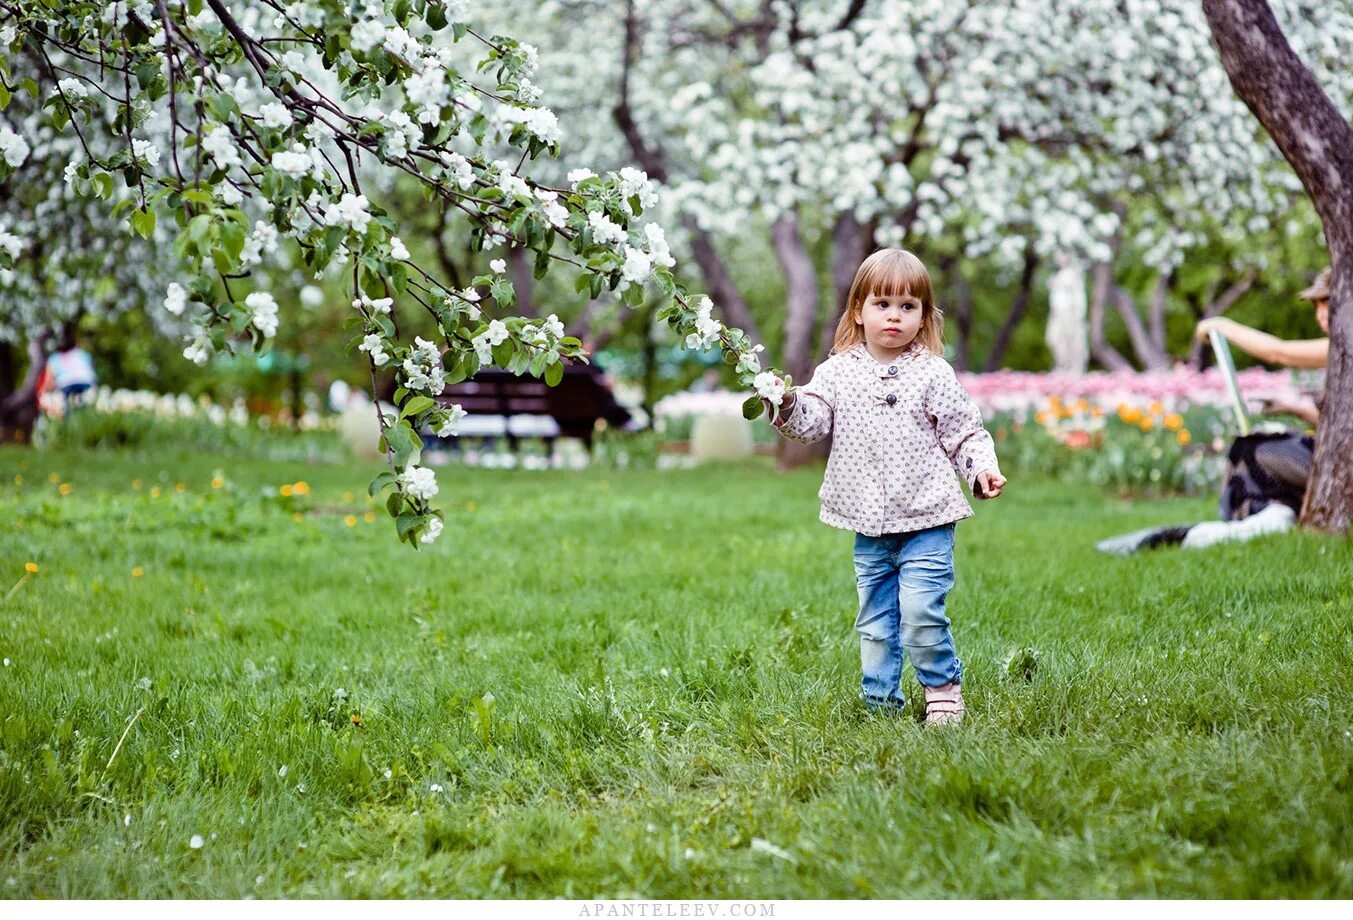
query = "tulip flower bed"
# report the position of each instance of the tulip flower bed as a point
(227, 681)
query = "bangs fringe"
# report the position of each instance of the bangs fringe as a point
(891, 273)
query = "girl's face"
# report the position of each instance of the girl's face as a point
(890, 321)
(1322, 314)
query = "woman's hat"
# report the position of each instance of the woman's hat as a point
(1319, 289)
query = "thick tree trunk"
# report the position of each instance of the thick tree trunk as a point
(959, 310)
(852, 242)
(19, 408)
(800, 320)
(1317, 140)
(1018, 307)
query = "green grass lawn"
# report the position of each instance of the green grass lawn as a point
(644, 684)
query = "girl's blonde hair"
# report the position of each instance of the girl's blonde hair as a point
(891, 273)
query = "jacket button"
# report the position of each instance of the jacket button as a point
(891, 398)
(892, 370)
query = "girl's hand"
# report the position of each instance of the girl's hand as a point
(990, 482)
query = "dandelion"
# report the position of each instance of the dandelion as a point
(53, 478)
(285, 491)
(1183, 436)
(298, 516)
(356, 720)
(155, 492)
(301, 488)
(347, 496)
(217, 482)
(350, 521)
(369, 517)
(1174, 421)
(65, 488)
(31, 568)
(1147, 423)
(138, 572)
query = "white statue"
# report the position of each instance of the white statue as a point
(1068, 333)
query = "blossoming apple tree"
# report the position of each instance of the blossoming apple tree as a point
(249, 125)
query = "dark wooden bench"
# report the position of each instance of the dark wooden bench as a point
(500, 404)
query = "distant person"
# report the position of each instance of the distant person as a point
(72, 371)
(1266, 472)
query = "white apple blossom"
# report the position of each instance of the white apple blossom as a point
(374, 346)
(275, 115)
(419, 482)
(264, 310)
(433, 531)
(350, 211)
(175, 298)
(769, 387)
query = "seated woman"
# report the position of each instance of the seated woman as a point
(1266, 473)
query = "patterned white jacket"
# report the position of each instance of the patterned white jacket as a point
(899, 431)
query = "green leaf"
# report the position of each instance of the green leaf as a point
(554, 373)
(232, 238)
(753, 407)
(380, 482)
(416, 405)
(407, 522)
(143, 222)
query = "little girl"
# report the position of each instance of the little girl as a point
(901, 423)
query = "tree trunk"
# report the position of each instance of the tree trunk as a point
(1151, 357)
(19, 408)
(1156, 313)
(1317, 140)
(851, 244)
(1018, 307)
(960, 311)
(800, 320)
(1104, 353)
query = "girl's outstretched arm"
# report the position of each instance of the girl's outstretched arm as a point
(958, 425)
(807, 412)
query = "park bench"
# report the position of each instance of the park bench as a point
(499, 404)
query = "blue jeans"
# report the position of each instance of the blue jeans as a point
(903, 579)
